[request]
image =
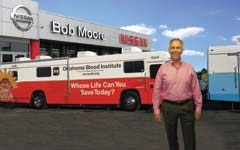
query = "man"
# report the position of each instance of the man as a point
(204, 88)
(177, 90)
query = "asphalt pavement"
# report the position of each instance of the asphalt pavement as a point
(72, 128)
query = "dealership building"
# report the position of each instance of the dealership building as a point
(27, 31)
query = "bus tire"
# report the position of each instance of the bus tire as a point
(130, 101)
(38, 100)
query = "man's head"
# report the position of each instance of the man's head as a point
(175, 49)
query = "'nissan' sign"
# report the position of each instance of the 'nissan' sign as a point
(22, 18)
(133, 40)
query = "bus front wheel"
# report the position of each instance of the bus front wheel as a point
(130, 101)
(38, 100)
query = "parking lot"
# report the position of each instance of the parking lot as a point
(72, 128)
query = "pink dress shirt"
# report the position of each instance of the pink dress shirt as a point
(176, 85)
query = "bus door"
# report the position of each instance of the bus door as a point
(153, 69)
(6, 56)
(224, 76)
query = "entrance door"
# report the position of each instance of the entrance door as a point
(10, 56)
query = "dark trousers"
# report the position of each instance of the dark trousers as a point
(185, 112)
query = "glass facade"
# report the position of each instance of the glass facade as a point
(14, 47)
(10, 51)
(63, 49)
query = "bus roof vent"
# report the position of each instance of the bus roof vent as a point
(43, 57)
(86, 54)
(131, 50)
(23, 59)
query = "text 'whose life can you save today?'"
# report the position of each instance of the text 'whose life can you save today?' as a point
(98, 88)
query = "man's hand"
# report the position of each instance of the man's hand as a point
(198, 115)
(157, 117)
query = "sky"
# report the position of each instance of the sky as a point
(200, 23)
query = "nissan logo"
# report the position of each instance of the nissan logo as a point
(22, 18)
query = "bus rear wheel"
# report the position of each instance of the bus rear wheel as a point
(130, 101)
(38, 100)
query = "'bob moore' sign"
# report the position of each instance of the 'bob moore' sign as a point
(22, 18)
(56, 27)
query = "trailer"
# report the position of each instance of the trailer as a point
(224, 73)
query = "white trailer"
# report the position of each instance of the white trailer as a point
(224, 73)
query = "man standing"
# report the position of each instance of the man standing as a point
(177, 90)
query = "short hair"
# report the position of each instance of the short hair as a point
(176, 39)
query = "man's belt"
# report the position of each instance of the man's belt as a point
(177, 102)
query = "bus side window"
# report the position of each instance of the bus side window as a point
(153, 70)
(133, 66)
(43, 72)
